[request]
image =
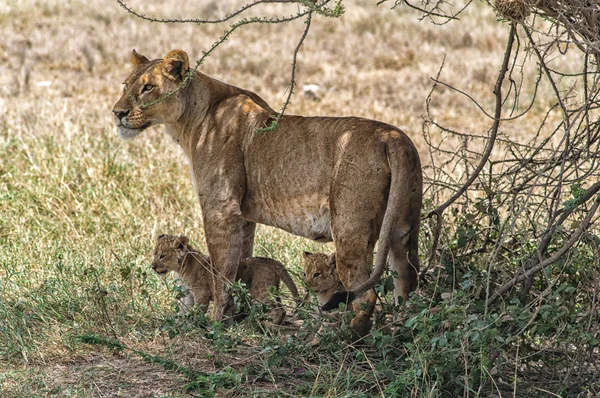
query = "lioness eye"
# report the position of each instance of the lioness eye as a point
(147, 88)
(316, 275)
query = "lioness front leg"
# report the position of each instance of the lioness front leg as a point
(225, 241)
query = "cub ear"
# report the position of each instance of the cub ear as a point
(332, 262)
(138, 59)
(181, 242)
(176, 65)
(307, 254)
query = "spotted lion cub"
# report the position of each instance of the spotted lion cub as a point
(321, 275)
(174, 253)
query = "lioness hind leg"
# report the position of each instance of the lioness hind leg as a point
(356, 217)
(354, 256)
(248, 230)
(354, 267)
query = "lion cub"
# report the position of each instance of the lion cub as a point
(174, 253)
(321, 275)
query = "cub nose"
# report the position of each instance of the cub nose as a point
(120, 113)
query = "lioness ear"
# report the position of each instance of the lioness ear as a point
(332, 262)
(176, 65)
(181, 242)
(138, 59)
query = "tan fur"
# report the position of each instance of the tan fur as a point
(351, 180)
(320, 275)
(174, 253)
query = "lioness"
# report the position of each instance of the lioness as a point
(174, 253)
(320, 275)
(347, 179)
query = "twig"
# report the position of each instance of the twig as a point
(226, 18)
(275, 121)
(493, 131)
(488, 150)
(549, 261)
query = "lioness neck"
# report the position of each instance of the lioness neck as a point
(207, 101)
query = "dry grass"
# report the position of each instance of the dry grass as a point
(79, 208)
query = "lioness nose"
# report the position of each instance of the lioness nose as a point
(120, 113)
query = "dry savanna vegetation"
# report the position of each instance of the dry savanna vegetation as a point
(500, 98)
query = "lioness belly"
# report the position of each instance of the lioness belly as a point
(301, 216)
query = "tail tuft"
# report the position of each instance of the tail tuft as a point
(339, 297)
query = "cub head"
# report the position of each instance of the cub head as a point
(319, 271)
(169, 253)
(144, 102)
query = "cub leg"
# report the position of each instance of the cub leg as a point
(263, 294)
(187, 301)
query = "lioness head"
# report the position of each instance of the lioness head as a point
(319, 271)
(147, 98)
(169, 253)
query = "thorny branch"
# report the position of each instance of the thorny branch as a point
(309, 7)
(277, 118)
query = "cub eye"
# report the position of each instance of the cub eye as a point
(162, 256)
(316, 275)
(147, 88)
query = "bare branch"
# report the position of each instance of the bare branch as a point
(277, 118)
(494, 129)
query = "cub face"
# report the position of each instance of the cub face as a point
(169, 253)
(143, 103)
(320, 273)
